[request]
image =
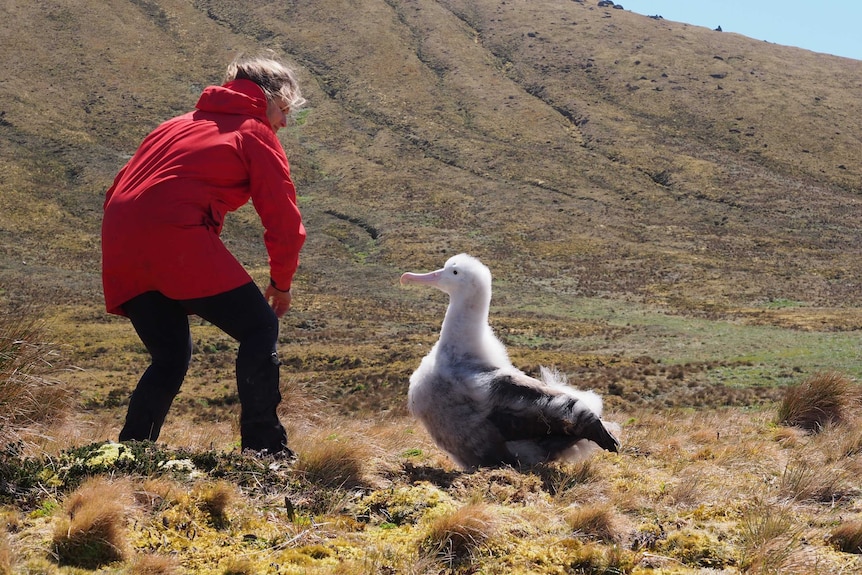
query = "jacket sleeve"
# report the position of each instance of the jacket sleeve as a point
(274, 198)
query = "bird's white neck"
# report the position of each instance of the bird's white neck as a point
(465, 331)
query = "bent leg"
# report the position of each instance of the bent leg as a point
(163, 326)
(245, 315)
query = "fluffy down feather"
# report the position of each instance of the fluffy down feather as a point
(476, 405)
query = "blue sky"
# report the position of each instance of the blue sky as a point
(827, 26)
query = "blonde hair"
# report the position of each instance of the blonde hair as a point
(276, 79)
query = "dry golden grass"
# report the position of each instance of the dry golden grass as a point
(810, 480)
(596, 521)
(92, 532)
(215, 500)
(847, 536)
(849, 441)
(746, 506)
(7, 557)
(30, 390)
(154, 564)
(770, 539)
(457, 536)
(824, 398)
(332, 460)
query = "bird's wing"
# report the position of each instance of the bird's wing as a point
(525, 408)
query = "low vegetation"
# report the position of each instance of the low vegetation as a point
(91, 531)
(730, 490)
(822, 399)
(30, 390)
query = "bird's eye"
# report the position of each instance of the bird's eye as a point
(455, 272)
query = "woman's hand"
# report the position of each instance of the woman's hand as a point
(278, 300)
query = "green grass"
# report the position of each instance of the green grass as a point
(769, 354)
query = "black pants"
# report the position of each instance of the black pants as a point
(163, 326)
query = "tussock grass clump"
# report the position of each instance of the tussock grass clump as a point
(769, 538)
(28, 393)
(454, 537)
(595, 521)
(824, 398)
(847, 537)
(215, 500)
(92, 532)
(787, 436)
(156, 493)
(804, 480)
(560, 479)
(6, 556)
(152, 564)
(848, 443)
(331, 463)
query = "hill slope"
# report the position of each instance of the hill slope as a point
(608, 151)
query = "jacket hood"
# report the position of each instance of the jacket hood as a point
(236, 97)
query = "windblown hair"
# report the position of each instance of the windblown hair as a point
(276, 79)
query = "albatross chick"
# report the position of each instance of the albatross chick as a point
(476, 405)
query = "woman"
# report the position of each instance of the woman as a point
(162, 258)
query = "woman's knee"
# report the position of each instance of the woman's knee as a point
(174, 365)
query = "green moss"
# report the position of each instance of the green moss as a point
(400, 505)
(696, 549)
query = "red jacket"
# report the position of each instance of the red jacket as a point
(165, 210)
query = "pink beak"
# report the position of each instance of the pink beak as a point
(426, 279)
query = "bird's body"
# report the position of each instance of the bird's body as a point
(476, 405)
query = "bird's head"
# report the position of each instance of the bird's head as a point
(462, 275)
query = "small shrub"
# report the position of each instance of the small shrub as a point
(662, 178)
(455, 536)
(92, 532)
(823, 398)
(847, 537)
(19, 475)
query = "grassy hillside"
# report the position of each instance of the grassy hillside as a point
(671, 215)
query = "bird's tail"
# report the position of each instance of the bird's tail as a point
(554, 378)
(599, 433)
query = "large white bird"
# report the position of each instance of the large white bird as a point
(476, 405)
